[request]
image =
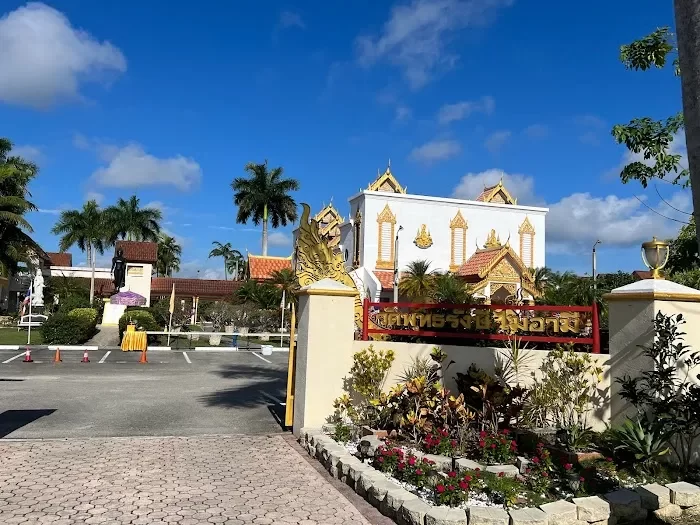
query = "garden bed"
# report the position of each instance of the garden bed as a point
(411, 504)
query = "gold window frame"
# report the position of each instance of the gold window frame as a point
(526, 229)
(386, 216)
(458, 221)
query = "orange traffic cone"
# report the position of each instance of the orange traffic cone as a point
(28, 356)
(143, 357)
(85, 357)
(57, 357)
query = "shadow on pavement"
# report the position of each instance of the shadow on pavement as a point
(11, 420)
(252, 387)
(8, 379)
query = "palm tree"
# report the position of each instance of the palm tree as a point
(541, 278)
(222, 250)
(235, 265)
(418, 281)
(286, 281)
(447, 288)
(15, 243)
(169, 252)
(128, 221)
(264, 197)
(87, 229)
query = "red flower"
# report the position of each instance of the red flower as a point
(501, 474)
(582, 479)
(506, 431)
(440, 488)
(412, 460)
(380, 459)
(527, 471)
(568, 466)
(482, 434)
(477, 469)
(464, 485)
(452, 474)
(419, 472)
(545, 474)
(467, 478)
(482, 443)
(609, 460)
(536, 460)
(401, 465)
(453, 443)
(540, 445)
(450, 487)
(493, 445)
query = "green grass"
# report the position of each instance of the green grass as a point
(10, 336)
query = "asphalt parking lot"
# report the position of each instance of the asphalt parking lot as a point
(175, 394)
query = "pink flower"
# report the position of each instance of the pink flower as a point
(440, 488)
(568, 466)
(452, 474)
(545, 474)
(609, 460)
(419, 472)
(412, 460)
(380, 459)
(582, 479)
(536, 460)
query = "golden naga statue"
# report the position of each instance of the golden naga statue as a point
(315, 260)
(423, 239)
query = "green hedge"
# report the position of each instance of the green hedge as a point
(143, 319)
(89, 314)
(66, 329)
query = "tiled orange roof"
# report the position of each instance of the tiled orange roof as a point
(262, 267)
(477, 262)
(386, 279)
(193, 287)
(60, 258)
(138, 252)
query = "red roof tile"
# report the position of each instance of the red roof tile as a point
(484, 194)
(60, 258)
(138, 252)
(262, 267)
(479, 259)
(193, 287)
(386, 279)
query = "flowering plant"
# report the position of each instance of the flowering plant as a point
(415, 471)
(453, 490)
(388, 458)
(497, 448)
(439, 442)
(539, 474)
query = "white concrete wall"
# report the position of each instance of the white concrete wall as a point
(79, 271)
(138, 280)
(412, 211)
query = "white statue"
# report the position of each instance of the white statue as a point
(38, 291)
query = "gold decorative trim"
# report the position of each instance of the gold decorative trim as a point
(458, 222)
(524, 230)
(387, 183)
(357, 234)
(386, 216)
(489, 194)
(653, 296)
(423, 239)
(493, 240)
(329, 292)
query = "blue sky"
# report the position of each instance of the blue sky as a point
(169, 100)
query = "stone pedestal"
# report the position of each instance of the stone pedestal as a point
(324, 350)
(112, 313)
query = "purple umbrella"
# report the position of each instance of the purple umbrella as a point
(128, 299)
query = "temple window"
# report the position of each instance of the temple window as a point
(386, 224)
(527, 243)
(458, 241)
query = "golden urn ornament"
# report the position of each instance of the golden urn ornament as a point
(423, 239)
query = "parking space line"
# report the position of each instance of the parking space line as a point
(271, 398)
(104, 357)
(187, 358)
(261, 357)
(13, 358)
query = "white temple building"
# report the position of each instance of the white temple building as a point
(491, 242)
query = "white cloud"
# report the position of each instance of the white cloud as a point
(50, 211)
(461, 110)
(416, 36)
(200, 270)
(521, 187)
(496, 140)
(27, 152)
(291, 19)
(44, 59)
(436, 150)
(279, 239)
(131, 167)
(536, 131)
(576, 221)
(403, 113)
(95, 196)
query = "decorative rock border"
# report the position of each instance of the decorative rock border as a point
(394, 501)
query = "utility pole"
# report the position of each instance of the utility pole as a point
(594, 265)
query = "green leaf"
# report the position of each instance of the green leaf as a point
(650, 51)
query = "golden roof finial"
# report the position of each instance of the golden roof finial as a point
(388, 166)
(493, 241)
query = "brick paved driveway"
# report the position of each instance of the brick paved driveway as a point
(233, 480)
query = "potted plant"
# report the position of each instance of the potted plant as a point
(574, 445)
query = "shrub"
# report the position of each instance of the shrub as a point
(88, 314)
(497, 448)
(65, 329)
(71, 302)
(143, 319)
(439, 442)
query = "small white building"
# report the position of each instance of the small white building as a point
(491, 242)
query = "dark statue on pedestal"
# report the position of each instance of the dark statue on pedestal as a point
(119, 269)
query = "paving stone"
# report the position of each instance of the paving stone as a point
(522, 463)
(669, 513)
(446, 516)
(488, 516)
(592, 509)
(465, 464)
(528, 517)
(395, 497)
(355, 471)
(378, 491)
(413, 512)
(560, 512)
(367, 479)
(654, 496)
(442, 463)
(625, 504)
(510, 471)
(684, 494)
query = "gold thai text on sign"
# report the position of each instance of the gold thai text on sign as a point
(480, 319)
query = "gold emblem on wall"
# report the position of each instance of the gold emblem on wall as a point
(315, 260)
(423, 239)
